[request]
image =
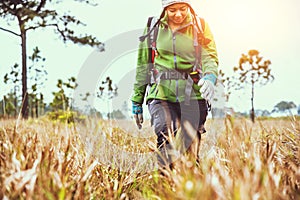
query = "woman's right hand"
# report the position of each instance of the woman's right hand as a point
(137, 111)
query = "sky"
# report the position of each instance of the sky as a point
(270, 26)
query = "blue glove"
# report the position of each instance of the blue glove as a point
(207, 86)
(137, 111)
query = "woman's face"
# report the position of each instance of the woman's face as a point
(177, 12)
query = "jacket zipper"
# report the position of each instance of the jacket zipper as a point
(174, 52)
(175, 63)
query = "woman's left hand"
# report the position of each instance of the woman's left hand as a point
(207, 89)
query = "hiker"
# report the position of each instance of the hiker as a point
(176, 72)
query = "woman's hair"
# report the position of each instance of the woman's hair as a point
(194, 16)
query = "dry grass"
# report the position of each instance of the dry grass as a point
(40, 159)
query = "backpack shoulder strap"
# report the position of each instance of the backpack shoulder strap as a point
(196, 74)
(153, 35)
(151, 39)
(202, 39)
(149, 23)
(200, 24)
(152, 21)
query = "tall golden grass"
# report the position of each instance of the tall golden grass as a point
(42, 159)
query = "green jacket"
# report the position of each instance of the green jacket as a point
(175, 51)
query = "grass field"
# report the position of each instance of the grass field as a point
(43, 159)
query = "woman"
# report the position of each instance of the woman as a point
(183, 72)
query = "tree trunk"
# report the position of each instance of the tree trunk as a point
(15, 102)
(24, 111)
(4, 106)
(252, 114)
(31, 110)
(36, 107)
(42, 108)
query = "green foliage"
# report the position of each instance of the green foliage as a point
(283, 118)
(284, 105)
(8, 108)
(230, 84)
(37, 73)
(37, 78)
(61, 100)
(65, 116)
(14, 76)
(116, 114)
(94, 112)
(106, 93)
(110, 92)
(36, 104)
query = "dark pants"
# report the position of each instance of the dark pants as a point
(168, 117)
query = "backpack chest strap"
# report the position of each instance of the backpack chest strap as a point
(173, 75)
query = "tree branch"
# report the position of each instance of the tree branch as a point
(47, 25)
(40, 26)
(42, 4)
(4, 29)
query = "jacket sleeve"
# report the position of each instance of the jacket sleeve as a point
(209, 55)
(142, 70)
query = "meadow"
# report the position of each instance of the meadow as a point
(44, 159)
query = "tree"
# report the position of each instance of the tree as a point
(61, 100)
(107, 94)
(284, 106)
(36, 77)
(14, 77)
(262, 113)
(116, 114)
(8, 106)
(253, 69)
(229, 83)
(31, 15)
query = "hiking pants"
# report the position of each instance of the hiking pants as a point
(168, 117)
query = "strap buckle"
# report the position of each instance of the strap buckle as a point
(173, 75)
